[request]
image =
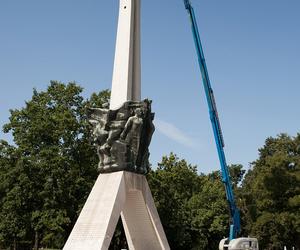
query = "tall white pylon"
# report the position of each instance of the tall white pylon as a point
(126, 81)
(121, 193)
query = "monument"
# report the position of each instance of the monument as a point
(122, 135)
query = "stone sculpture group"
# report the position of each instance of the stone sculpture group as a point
(122, 136)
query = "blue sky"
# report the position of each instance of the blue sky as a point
(252, 50)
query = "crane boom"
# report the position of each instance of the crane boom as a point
(213, 113)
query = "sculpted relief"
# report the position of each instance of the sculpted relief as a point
(122, 136)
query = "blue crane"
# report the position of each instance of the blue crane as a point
(213, 113)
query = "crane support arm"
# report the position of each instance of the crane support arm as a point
(213, 113)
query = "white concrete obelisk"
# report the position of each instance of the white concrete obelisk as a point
(126, 82)
(121, 193)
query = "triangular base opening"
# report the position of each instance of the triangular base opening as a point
(114, 194)
(119, 240)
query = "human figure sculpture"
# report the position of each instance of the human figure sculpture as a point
(122, 136)
(132, 131)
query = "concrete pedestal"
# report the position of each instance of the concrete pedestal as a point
(113, 194)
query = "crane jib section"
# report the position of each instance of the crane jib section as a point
(234, 211)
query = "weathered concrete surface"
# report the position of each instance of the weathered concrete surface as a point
(126, 81)
(113, 194)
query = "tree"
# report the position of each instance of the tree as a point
(172, 185)
(271, 191)
(192, 207)
(57, 165)
(12, 222)
(209, 213)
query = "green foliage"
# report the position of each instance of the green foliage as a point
(237, 173)
(172, 185)
(209, 214)
(276, 230)
(49, 174)
(12, 223)
(271, 191)
(192, 207)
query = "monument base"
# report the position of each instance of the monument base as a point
(113, 194)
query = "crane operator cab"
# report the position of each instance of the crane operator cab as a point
(239, 244)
